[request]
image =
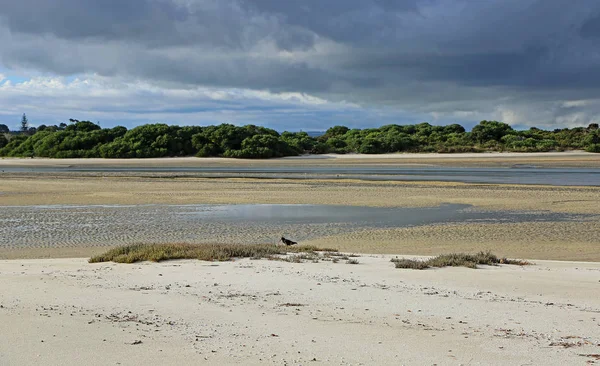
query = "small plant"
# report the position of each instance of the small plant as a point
(409, 263)
(456, 260)
(299, 258)
(293, 259)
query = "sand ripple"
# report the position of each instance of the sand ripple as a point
(70, 226)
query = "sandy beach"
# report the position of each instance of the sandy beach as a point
(252, 312)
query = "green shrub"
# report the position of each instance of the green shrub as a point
(208, 252)
(456, 260)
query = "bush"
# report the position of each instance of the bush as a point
(207, 252)
(456, 260)
(593, 148)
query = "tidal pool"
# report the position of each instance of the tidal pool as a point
(108, 225)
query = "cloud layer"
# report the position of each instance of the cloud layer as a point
(528, 62)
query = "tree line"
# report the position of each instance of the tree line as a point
(85, 139)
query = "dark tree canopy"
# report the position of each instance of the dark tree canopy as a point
(3, 140)
(85, 139)
(4, 129)
(491, 130)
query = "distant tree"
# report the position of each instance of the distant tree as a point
(592, 138)
(491, 130)
(335, 131)
(85, 139)
(3, 141)
(24, 124)
(82, 126)
(594, 148)
(592, 126)
(454, 128)
(4, 129)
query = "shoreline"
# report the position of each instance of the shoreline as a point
(571, 158)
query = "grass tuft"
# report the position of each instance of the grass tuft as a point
(456, 260)
(410, 263)
(206, 252)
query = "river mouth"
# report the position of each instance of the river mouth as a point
(109, 225)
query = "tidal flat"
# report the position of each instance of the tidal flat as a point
(63, 226)
(80, 213)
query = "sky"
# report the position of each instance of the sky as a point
(302, 64)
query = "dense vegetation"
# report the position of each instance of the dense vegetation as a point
(84, 139)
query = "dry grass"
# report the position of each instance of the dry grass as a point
(325, 255)
(207, 252)
(457, 260)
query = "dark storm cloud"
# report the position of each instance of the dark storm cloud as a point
(591, 27)
(410, 53)
(104, 20)
(341, 20)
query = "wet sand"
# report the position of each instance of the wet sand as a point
(42, 189)
(571, 241)
(567, 241)
(256, 312)
(357, 228)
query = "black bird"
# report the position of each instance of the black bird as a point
(287, 241)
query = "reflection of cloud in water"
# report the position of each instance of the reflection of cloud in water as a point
(79, 225)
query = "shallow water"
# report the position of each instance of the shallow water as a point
(518, 174)
(102, 225)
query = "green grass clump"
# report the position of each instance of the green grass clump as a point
(456, 260)
(206, 252)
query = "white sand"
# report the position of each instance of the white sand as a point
(493, 154)
(68, 312)
(581, 157)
